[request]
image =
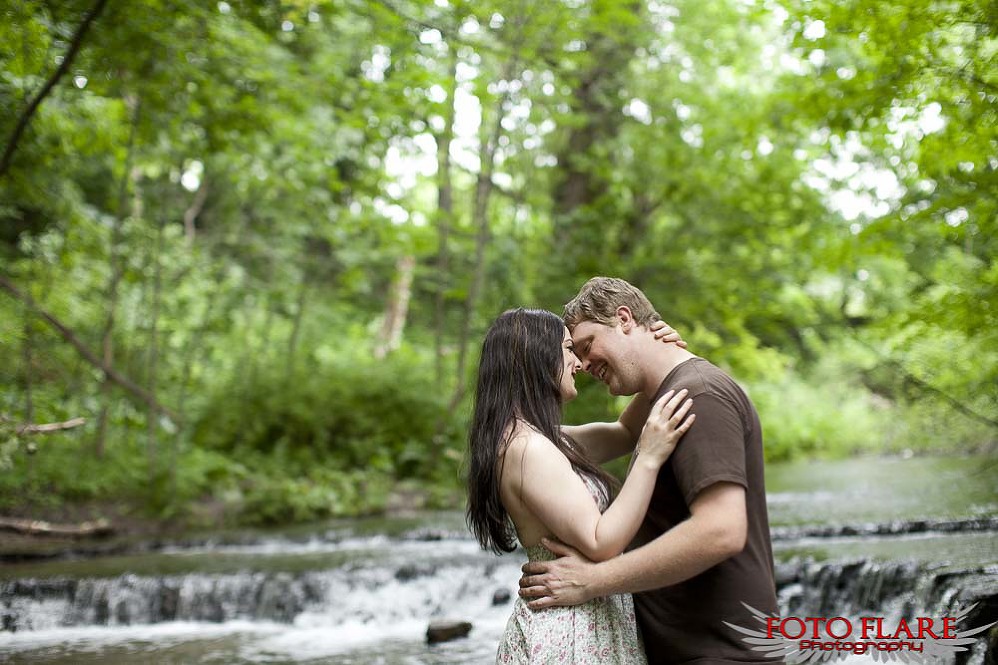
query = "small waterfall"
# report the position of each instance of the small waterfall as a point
(351, 594)
(894, 590)
(379, 593)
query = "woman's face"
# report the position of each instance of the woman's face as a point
(570, 365)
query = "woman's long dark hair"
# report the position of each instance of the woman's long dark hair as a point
(519, 376)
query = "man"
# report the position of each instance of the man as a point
(704, 547)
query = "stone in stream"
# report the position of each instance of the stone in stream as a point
(9, 623)
(411, 571)
(444, 631)
(278, 600)
(102, 611)
(501, 597)
(786, 573)
(167, 601)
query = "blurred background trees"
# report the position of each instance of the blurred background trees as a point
(256, 244)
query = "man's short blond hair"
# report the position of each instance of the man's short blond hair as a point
(599, 298)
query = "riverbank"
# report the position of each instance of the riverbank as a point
(133, 528)
(908, 487)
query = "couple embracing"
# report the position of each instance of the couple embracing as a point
(691, 512)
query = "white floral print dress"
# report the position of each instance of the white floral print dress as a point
(602, 630)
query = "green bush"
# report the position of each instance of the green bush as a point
(271, 499)
(63, 470)
(361, 415)
(802, 420)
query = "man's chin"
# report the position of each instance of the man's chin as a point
(619, 391)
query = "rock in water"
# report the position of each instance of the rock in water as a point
(501, 597)
(444, 631)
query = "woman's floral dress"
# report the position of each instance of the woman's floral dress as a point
(602, 630)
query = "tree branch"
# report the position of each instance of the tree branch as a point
(67, 62)
(515, 196)
(88, 355)
(954, 403)
(450, 34)
(929, 388)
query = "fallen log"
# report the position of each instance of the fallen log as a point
(95, 529)
(46, 428)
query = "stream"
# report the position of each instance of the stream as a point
(890, 537)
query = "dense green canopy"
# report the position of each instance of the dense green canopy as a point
(256, 244)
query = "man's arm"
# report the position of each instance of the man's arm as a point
(716, 530)
(602, 442)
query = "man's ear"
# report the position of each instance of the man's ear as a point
(625, 319)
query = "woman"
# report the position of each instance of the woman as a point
(529, 479)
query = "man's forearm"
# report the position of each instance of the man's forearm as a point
(683, 552)
(601, 442)
(633, 418)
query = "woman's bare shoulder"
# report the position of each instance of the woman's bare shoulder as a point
(525, 439)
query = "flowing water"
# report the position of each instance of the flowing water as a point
(890, 537)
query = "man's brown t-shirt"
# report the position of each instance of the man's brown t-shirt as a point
(683, 623)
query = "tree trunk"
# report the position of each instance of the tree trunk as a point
(397, 308)
(300, 303)
(67, 62)
(152, 362)
(192, 351)
(480, 218)
(117, 270)
(197, 205)
(445, 220)
(635, 224)
(596, 98)
(580, 204)
(254, 355)
(28, 355)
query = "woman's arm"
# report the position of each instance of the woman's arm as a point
(557, 496)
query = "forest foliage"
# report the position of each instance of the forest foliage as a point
(255, 244)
